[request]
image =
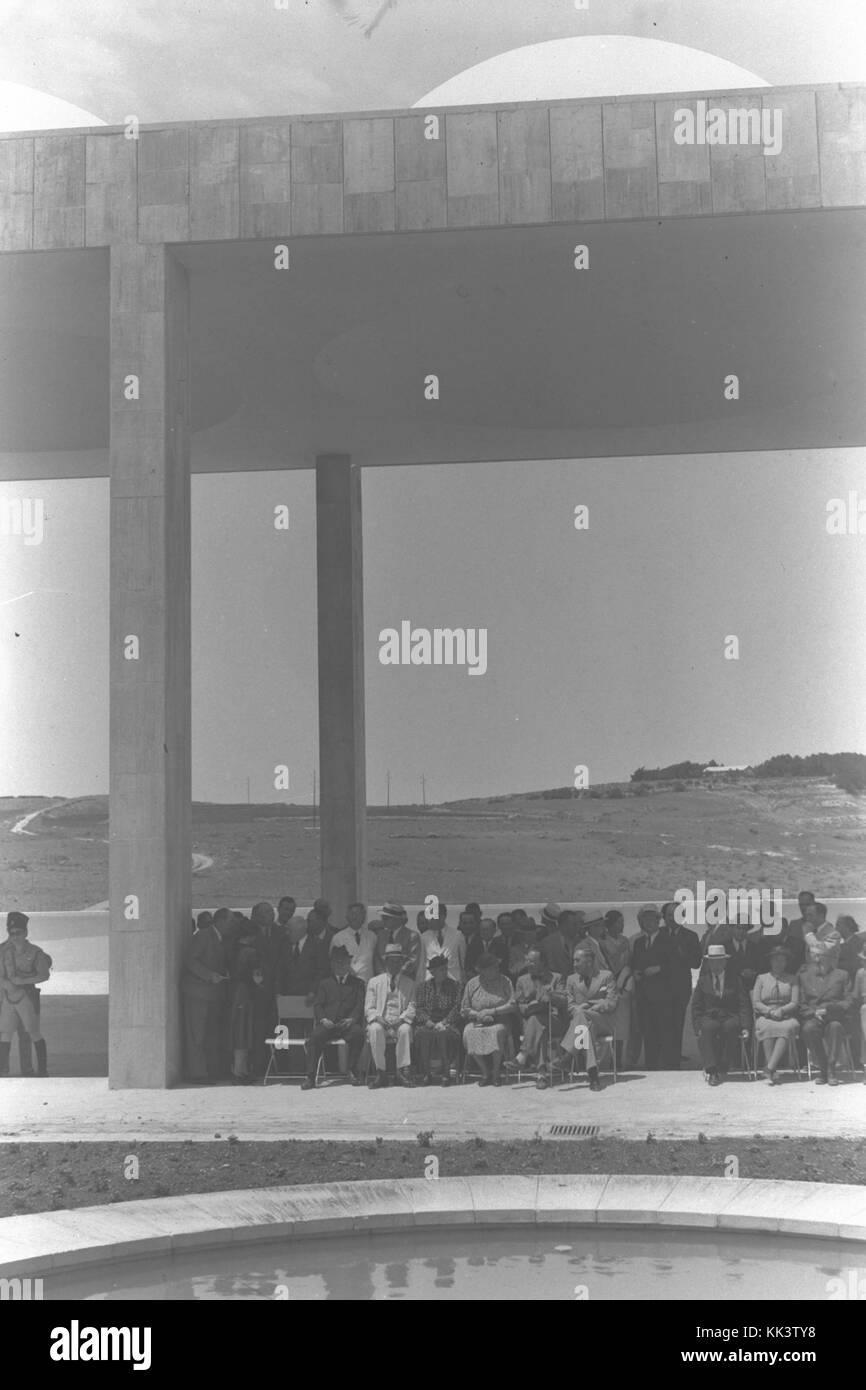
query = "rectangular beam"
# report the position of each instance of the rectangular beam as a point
(342, 766)
(150, 783)
(520, 163)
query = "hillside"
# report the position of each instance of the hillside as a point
(784, 833)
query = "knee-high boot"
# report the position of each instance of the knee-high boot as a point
(4, 1058)
(25, 1053)
(41, 1058)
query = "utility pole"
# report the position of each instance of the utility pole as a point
(248, 791)
(423, 791)
(388, 792)
(314, 796)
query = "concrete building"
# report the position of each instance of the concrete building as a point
(539, 280)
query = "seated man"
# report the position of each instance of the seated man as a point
(825, 1008)
(23, 966)
(390, 1010)
(860, 1000)
(437, 1017)
(720, 1010)
(338, 1012)
(540, 997)
(591, 999)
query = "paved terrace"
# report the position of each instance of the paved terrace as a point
(670, 1105)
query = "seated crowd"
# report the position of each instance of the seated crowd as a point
(428, 1002)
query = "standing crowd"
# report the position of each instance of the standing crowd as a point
(433, 1001)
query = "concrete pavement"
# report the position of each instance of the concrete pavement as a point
(670, 1105)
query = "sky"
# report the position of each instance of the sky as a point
(612, 664)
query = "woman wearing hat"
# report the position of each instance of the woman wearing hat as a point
(775, 1000)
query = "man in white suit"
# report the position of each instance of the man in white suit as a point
(390, 1009)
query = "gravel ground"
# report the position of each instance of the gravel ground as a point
(46, 1177)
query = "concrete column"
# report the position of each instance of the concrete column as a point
(342, 769)
(149, 845)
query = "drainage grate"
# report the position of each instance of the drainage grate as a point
(573, 1131)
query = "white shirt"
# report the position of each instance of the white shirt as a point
(361, 946)
(453, 945)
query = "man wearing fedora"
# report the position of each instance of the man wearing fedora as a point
(720, 1010)
(390, 1011)
(338, 1012)
(396, 931)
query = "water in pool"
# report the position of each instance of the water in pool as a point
(509, 1264)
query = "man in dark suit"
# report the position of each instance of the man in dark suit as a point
(203, 985)
(746, 953)
(338, 1011)
(685, 957)
(653, 970)
(720, 1010)
(303, 961)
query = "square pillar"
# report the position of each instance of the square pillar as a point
(342, 767)
(150, 777)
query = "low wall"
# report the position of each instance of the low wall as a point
(63, 1241)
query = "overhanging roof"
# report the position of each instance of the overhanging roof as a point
(704, 262)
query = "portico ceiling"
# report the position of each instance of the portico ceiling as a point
(535, 359)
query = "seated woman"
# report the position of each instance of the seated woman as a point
(437, 1009)
(775, 1000)
(488, 1004)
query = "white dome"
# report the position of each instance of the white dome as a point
(23, 108)
(597, 66)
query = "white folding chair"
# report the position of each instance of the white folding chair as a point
(292, 1009)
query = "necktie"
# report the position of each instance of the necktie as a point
(357, 938)
(440, 936)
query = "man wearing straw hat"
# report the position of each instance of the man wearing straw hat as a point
(720, 1010)
(390, 1011)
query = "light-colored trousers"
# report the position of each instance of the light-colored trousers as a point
(10, 1014)
(585, 1029)
(377, 1034)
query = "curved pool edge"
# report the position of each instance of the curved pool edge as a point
(62, 1241)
